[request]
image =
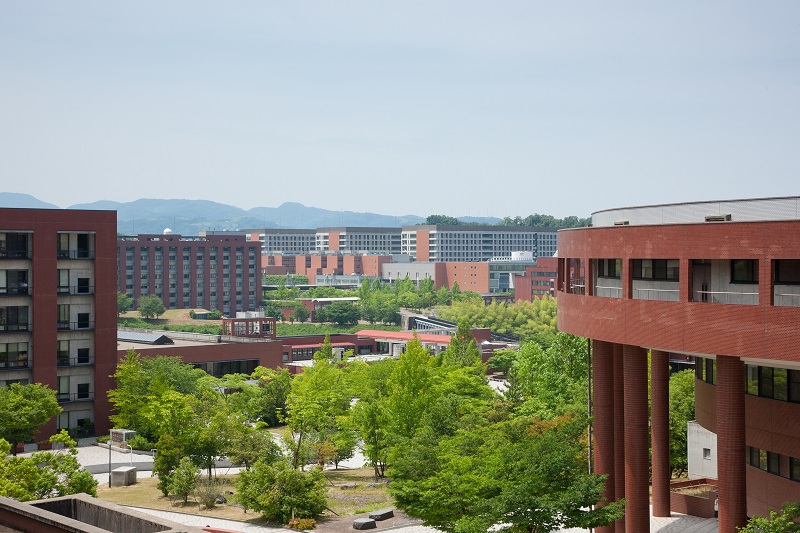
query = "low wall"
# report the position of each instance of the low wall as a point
(701, 506)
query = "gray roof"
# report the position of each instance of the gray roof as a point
(144, 338)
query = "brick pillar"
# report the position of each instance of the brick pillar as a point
(637, 456)
(731, 444)
(603, 417)
(659, 416)
(619, 432)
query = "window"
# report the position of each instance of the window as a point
(780, 384)
(656, 269)
(608, 268)
(707, 453)
(774, 463)
(63, 281)
(83, 320)
(765, 383)
(794, 468)
(83, 286)
(794, 385)
(751, 380)
(744, 271)
(787, 271)
(83, 391)
(711, 371)
(83, 356)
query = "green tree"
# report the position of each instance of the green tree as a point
(681, 411)
(23, 410)
(462, 350)
(502, 360)
(124, 302)
(526, 473)
(280, 492)
(369, 417)
(44, 474)
(301, 313)
(339, 312)
(442, 220)
(150, 306)
(262, 402)
(184, 479)
(250, 445)
(787, 520)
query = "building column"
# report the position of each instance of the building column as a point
(619, 432)
(637, 456)
(659, 416)
(731, 444)
(603, 417)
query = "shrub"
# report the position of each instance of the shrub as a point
(302, 524)
(184, 479)
(140, 443)
(208, 490)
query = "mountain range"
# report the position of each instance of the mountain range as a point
(189, 217)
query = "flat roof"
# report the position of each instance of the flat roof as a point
(404, 336)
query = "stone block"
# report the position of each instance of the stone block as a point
(123, 476)
(383, 514)
(364, 523)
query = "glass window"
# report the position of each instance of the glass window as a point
(774, 463)
(751, 378)
(744, 271)
(787, 271)
(765, 382)
(794, 468)
(780, 387)
(762, 459)
(794, 385)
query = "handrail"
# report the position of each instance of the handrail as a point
(616, 292)
(715, 297)
(658, 292)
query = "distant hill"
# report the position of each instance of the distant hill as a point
(14, 199)
(189, 217)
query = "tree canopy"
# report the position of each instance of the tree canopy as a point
(150, 306)
(23, 410)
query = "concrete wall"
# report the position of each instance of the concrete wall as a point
(698, 440)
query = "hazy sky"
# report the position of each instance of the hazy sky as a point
(403, 107)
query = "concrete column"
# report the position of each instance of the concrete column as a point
(603, 417)
(731, 444)
(619, 432)
(637, 456)
(659, 416)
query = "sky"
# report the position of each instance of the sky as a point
(460, 108)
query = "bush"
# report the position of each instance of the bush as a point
(184, 479)
(207, 491)
(278, 491)
(140, 443)
(302, 524)
(102, 439)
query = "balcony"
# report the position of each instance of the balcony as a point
(14, 254)
(75, 254)
(20, 364)
(76, 290)
(65, 359)
(15, 328)
(65, 397)
(16, 291)
(608, 291)
(75, 326)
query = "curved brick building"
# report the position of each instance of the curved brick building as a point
(719, 281)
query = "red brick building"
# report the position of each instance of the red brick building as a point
(220, 272)
(58, 308)
(716, 280)
(538, 281)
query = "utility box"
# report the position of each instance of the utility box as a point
(123, 476)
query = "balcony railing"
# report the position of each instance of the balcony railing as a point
(76, 289)
(608, 292)
(71, 326)
(75, 360)
(64, 397)
(14, 365)
(75, 254)
(15, 291)
(724, 297)
(15, 254)
(14, 328)
(664, 295)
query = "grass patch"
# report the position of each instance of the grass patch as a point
(343, 502)
(360, 499)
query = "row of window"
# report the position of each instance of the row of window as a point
(771, 462)
(787, 271)
(763, 381)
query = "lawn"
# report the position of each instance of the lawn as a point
(348, 501)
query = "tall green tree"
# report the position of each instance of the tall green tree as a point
(462, 350)
(339, 312)
(681, 411)
(150, 306)
(369, 417)
(23, 410)
(124, 302)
